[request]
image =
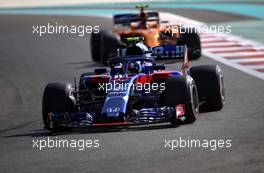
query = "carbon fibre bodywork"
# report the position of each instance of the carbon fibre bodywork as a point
(99, 102)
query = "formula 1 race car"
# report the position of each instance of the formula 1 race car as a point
(147, 25)
(136, 90)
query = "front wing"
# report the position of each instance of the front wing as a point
(143, 116)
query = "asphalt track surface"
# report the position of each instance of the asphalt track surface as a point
(29, 62)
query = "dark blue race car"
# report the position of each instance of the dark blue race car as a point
(135, 90)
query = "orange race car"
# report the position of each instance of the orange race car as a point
(145, 24)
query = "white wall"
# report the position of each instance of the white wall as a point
(36, 3)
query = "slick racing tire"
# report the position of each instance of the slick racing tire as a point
(191, 39)
(95, 43)
(181, 90)
(57, 97)
(210, 85)
(110, 42)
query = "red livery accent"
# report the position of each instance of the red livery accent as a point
(112, 124)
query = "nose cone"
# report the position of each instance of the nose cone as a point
(115, 106)
(115, 117)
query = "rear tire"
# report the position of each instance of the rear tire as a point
(95, 43)
(109, 44)
(56, 98)
(192, 40)
(181, 90)
(210, 85)
(104, 45)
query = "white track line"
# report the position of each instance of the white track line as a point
(220, 44)
(246, 44)
(237, 54)
(34, 3)
(228, 49)
(256, 66)
(235, 65)
(212, 39)
(248, 60)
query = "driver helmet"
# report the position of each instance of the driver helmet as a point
(147, 67)
(136, 65)
(117, 69)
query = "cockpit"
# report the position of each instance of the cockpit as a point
(131, 66)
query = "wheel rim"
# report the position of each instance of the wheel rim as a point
(221, 82)
(195, 101)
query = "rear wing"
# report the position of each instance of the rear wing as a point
(178, 52)
(126, 19)
(172, 52)
(164, 52)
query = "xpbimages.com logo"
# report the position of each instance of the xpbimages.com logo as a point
(146, 87)
(212, 144)
(175, 30)
(49, 143)
(56, 28)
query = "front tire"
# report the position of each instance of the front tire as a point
(210, 85)
(181, 90)
(56, 98)
(104, 45)
(110, 43)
